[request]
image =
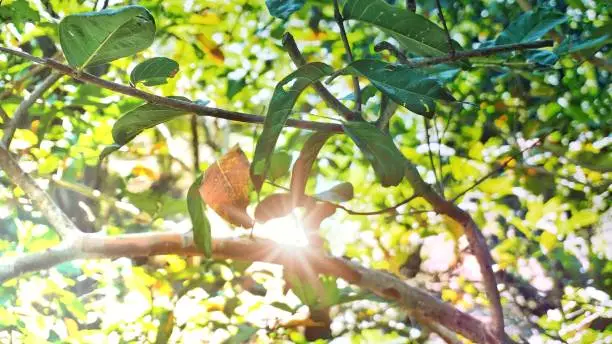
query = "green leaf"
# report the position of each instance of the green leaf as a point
(569, 46)
(530, 26)
(245, 332)
(303, 290)
(143, 117)
(154, 71)
(201, 226)
(279, 165)
(283, 99)
(282, 306)
(342, 192)
(234, 86)
(379, 149)
(18, 12)
(415, 33)
(283, 8)
(94, 38)
(108, 150)
(406, 86)
(461, 168)
(542, 57)
(303, 165)
(166, 325)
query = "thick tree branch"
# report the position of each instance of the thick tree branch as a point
(475, 238)
(56, 217)
(169, 102)
(349, 53)
(384, 284)
(329, 99)
(22, 110)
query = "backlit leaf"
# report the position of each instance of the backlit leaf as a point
(274, 206)
(339, 193)
(93, 38)
(279, 165)
(303, 165)
(154, 71)
(283, 99)
(379, 149)
(225, 188)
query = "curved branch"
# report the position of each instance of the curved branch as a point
(384, 284)
(199, 110)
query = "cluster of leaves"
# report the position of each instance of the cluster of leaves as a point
(541, 214)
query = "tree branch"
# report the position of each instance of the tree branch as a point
(451, 47)
(462, 55)
(22, 110)
(329, 99)
(475, 238)
(243, 249)
(169, 102)
(349, 53)
(56, 217)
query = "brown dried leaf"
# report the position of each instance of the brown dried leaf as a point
(225, 188)
(274, 206)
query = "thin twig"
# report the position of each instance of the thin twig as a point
(22, 110)
(5, 117)
(377, 212)
(451, 48)
(431, 159)
(462, 55)
(329, 99)
(195, 143)
(411, 5)
(169, 102)
(349, 53)
(439, 138)
(495, 171)
(16, 85)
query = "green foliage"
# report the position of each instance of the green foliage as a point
(154, 71)
(201, 226)
(379, 149)
(94, 38)
(285, 95)
(412, 89)
(415, 33)
(283, 8)
(531, 26)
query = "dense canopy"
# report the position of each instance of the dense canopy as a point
(364, 171)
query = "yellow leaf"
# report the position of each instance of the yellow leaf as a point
(211, 48)
(225, 188)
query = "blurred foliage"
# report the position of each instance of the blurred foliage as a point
(546, 215)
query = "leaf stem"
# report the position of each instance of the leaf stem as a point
(451, 48)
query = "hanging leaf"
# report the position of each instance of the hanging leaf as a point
(530, 26)
(201, 225)
(342, 192)
(303, 165)
(166, 325)
(283, 99)
(379, 149)
(226, 188)
(279, 165)
(154, 71)
(542, 57)
(274, 206)
(415, 33)
(94, 38)
(406, 86)
(283, 8)
(108, 150)
(143, 117)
